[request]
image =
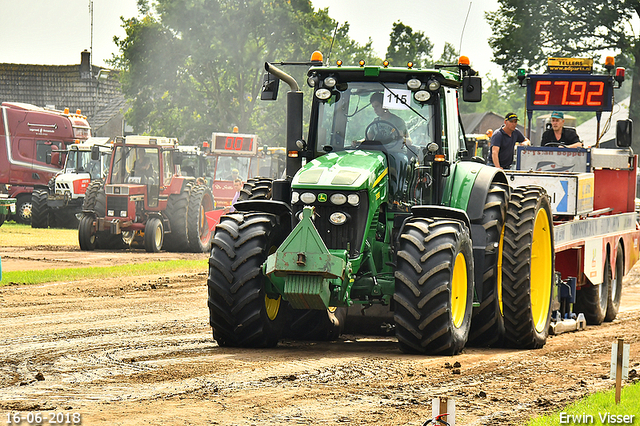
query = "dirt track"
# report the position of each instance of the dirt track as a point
(139, 351)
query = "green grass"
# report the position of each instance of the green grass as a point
(75, 274)
(597, 405)
(17, 235)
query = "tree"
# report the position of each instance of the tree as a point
(191, 67)
(405, 46)
(449, 54)
(526, 33)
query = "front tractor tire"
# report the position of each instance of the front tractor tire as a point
(241, 312)
(153, 235)
(433, 286)
(87, 233)
(527, 268)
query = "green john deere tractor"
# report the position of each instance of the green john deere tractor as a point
(379, 209)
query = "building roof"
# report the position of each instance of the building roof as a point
(473, 120)
(116, 106)
(588, 129)
(60, 86)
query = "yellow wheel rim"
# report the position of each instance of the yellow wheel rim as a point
(459, 290)
(272, 306)
(541, 274)
(158, 235)
(499, 272)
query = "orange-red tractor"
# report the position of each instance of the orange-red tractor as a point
(145, 202)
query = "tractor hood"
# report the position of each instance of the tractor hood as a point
(353, 170)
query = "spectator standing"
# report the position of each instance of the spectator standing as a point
(503, 142)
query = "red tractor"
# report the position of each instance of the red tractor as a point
(145, 203)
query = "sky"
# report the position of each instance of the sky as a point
(440, 20)
(54, 32)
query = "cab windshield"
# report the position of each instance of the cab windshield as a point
(81, 162)
(135, 165)
(371, 111)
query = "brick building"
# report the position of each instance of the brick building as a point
(94, 90)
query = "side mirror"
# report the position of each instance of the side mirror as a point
(177, 157)
(624, 130)
(47, 158)
(53, 158)
(472, 89)
(95, 153)
(270, 85)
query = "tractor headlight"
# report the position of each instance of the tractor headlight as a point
(433, 85)
(422, 96)
(353, 199)
(295, 197)
(329, 82)
(323, 94)
(111, 213)
(414, 84)
(308, 197)
(432, 147)
(338, 218)
(338, 199)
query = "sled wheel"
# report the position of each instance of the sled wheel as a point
(615, 289)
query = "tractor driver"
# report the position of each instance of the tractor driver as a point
(387, 127)
(145, 171)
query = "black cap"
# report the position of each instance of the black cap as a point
(511, 116)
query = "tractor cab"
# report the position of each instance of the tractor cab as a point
(401, 113)
(143, 165)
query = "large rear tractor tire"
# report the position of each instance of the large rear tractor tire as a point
(153, 235)
(40, 210)
(487, 323)
(87, 233)
(310, 324)
(434, 286)
(89, 202)
(198, 231)
(615, 288)
(176, 212)
(527, 268)
(241, 312)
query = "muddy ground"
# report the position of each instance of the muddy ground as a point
(139, 352)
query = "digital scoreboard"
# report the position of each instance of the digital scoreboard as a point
(234, 143)
(570, 92)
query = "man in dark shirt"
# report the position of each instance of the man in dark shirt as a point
(503, 142)
(558, 134)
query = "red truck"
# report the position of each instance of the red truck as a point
(29, 139)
